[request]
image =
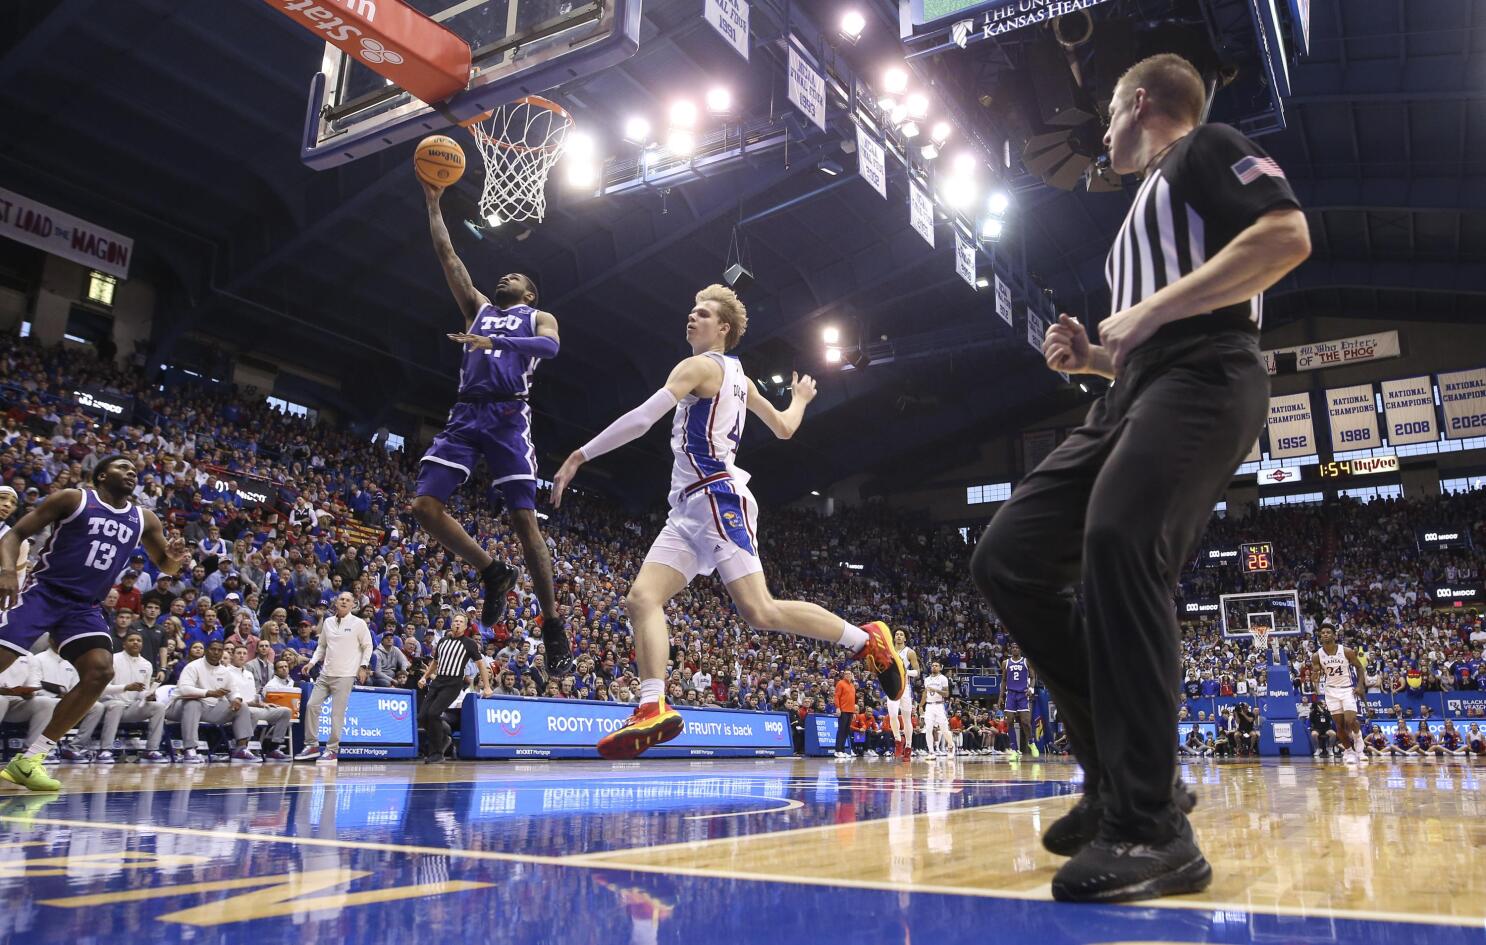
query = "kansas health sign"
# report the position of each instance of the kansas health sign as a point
(61, 234)
(570, 728)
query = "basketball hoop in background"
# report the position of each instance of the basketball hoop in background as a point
(519, 144)
(1261, 638)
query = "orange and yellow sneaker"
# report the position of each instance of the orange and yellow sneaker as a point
(881, 657)
(652, 724)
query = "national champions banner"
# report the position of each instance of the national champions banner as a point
(1463, 397)
(1292, 428)
(1408, 410)
(1353, 412)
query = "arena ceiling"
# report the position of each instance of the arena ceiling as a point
(179, 124)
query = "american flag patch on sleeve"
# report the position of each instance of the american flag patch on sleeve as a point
(1252, 167)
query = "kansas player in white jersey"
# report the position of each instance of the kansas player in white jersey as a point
(93, 533)
(1333, 665)
(9, 502)
(900, 710)
(713, 524)
(503, 342)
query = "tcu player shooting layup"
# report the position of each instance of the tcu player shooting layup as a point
(503, 344)
(93, 534)
(1333, 667)
(712, 525)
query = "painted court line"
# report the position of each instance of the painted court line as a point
(593, 861)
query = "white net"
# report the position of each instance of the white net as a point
(519, 144)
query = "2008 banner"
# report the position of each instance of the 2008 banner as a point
(1408, 409)
(571, 728)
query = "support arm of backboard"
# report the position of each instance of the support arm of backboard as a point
(392, 39)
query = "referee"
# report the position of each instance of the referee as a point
(1120, 504)
(446, 670)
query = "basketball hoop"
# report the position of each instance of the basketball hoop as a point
(1261, 638)
(519, 144)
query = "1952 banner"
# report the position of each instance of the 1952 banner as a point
(1408, 410)
(1463, 395)
(1292, 429)
(1324, 354)
(1353, 412)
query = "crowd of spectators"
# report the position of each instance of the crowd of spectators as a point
(337, 519)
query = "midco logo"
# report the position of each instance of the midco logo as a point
(1441, 536)
(1454, 593)
(336, 30)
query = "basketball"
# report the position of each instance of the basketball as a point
(439, 160)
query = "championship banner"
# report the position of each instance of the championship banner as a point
(871, 161)
(921, 211)
(1003, 300)
(1354, 418)
(1292, 429)
(730, 19)
(1036, 331)
(965, 259)
(807, 88)
(1324, 354)
(1463, 395)
(1408, 410)
(61, 234)
(1254, 455)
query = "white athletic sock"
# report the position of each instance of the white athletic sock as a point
(651, 690)
(43, 745)
(853, 638)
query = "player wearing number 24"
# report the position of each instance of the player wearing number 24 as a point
(94, 532)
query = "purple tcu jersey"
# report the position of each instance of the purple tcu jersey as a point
(499, 373)
(1016, 675)
(87, 549)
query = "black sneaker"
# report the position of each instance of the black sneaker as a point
(1121, 871)
(558, 651)
(1073, 831)
(498, 579)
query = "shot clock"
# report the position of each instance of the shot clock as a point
(1256, 556)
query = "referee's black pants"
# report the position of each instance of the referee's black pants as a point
(1120, 506)
(442, 691)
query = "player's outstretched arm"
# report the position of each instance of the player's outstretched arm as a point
(783, 423)
(685, 378)
(470, 299)
(170, 556)
(544, 345)
(53, 509)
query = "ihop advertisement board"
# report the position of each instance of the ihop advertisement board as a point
(505, 727)
(380, 723)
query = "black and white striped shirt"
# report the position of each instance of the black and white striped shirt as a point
(1209, 186)
(453, 654)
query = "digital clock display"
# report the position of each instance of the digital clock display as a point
(1359, 467)
(1256, 556)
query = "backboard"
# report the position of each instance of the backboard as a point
(1277, 612)
(518, 47)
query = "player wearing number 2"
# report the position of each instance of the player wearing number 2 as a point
(94, 533)
(1333, 666)
(713, 520)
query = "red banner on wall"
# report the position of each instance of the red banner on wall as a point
(390, 38)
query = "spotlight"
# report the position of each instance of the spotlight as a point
(831, 335)
(887, 103)
(581, 173)
(719, 101)
(580, 145)
(815, 492)
(964, 164)
(681, 142)
(895, 80)
(830, 168)
(777, 379)
(833, 355)
(998, 203)
(1084, 388)
(992, 228)
(982, 282)
(492, 219)
(959, 192)
(941, 131)
(852, 24)
(930, 151)
(909, 130)
(900, 113)
(637, 130)
(683, 113)
(918, 105)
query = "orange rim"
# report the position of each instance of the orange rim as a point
(535, 101)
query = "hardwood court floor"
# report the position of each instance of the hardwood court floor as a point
(719, 851)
